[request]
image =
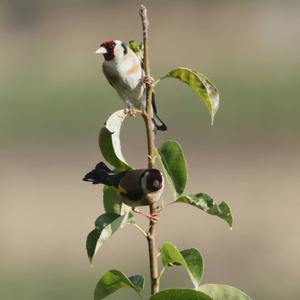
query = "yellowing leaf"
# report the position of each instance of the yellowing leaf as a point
(201, 85)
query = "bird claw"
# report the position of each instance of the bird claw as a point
(132, 112)
(152, 217)
(148, 80)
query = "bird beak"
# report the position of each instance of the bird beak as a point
(156, 184)
(101, 50)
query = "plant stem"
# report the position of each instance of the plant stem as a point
(160, 274)
(151, 238)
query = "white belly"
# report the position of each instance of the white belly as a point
(129, 86)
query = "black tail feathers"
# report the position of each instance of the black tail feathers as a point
(101, 174)
(158, 123)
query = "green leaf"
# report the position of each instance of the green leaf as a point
(91, 243)
(138, 281)
(109, 141)
(201, 85)
(112, 202)
(194, 261)
(113, 280)
(134, 46)
(190, 259)
(223, 292)
(137, 49)
(207, 204)
(106, 225)
(170, 255)
(180, 294)
(174, 163)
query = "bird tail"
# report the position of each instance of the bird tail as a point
(101, 174)
(157, 121)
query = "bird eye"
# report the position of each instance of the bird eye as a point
(112, 45)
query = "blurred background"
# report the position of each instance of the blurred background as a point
(54, 99)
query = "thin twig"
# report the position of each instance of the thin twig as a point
(151, 238)
(160, 274)
(143, 232)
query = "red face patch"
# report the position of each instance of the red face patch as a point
(109, 46)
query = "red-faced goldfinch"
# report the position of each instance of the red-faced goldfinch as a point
(123, 70)
(138, 187)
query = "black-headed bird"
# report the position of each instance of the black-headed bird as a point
(124, 71)
(139, 187)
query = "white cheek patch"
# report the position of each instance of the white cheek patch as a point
(119, 53)
(156, 184)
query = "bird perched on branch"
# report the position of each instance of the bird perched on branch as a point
(124, 71)
(138, 187)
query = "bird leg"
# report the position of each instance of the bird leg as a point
(147, 80)
(131, 111)
(151, 217)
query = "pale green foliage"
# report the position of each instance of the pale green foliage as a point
(190, 259)
(109, 140)
(223, 292)
(105, 226)
(181, 294)
(201, 85)
(112, 203)
(113, 280)
(207, 204)
(173, 161)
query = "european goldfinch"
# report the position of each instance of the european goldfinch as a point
(138, 187)
(123, 70)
